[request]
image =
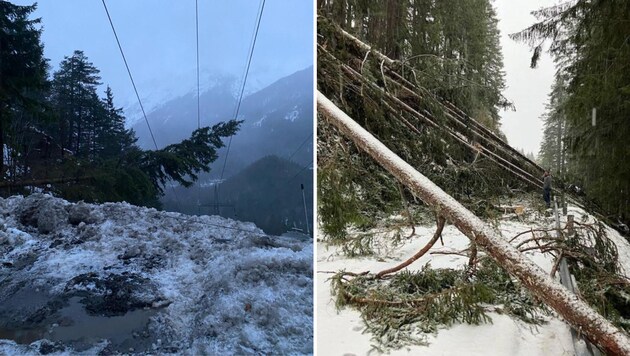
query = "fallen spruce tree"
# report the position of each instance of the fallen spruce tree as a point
(575, 311)
(399, 105)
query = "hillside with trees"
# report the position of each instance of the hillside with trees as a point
(452, 54)
(58, 133)
(586, 128)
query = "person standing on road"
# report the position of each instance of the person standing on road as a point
(547, 188)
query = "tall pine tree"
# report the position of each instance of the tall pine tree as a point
(112, 135)
(75, 99)
(590, 42)
(23, 72)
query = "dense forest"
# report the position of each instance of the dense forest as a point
(586, 124)
(60, 134)
(409, 141)
(455, 48)
(452, 54)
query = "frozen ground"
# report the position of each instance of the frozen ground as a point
(125, 279)
(342, 332)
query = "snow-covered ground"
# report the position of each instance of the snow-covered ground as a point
(207, 285)
(342, 332)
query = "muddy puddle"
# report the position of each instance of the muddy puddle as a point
(73, 326)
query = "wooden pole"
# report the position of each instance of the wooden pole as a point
(570, 307)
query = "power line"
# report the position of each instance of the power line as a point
(300, 146)
(122, 53)
(240, 98)
(129, 72)
(301, 170)
(197, 32)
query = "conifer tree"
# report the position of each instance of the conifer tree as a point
(114, 137)
(76, 102)
(589, 43)
(23, 70)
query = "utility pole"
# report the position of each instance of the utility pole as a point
(308, 232)
(561, 167)
(216, 205)
(216, 199)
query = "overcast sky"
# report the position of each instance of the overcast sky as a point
(158, 37)
(527, 88)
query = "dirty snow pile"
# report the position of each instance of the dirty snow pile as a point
(343, 332)
(204, 284)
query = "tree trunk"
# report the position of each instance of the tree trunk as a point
(569, 306)
(1, 145)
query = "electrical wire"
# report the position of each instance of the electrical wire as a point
(197, 33)
(129, 72)
(133, 83)
(300, 146)
(240, 98)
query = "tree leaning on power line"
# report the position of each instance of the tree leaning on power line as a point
(574, 310)
(456, 48)
(83, 149)
(182, 161)
(140, 176)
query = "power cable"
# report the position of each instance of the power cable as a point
(302, 170)
(249, 61)
(300, 146)
(130, 76)
(144, 114)
(197, 33)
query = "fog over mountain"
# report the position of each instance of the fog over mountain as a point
(277, 120)
(269, 157)
(159, 41)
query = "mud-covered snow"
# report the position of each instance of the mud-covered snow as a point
(211, 285)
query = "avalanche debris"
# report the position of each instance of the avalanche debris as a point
(207, 284)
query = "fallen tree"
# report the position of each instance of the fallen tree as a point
(576, 312)
(344, 61)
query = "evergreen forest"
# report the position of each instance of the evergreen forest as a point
(60, 132)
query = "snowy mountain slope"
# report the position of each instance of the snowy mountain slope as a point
(277, 119)
(188, 284)
(344, 329)
(156, 92)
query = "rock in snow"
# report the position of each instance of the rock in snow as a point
(78, 278)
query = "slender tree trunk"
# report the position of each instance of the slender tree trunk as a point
(575, 311)
(1, 120)
(1, 144)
